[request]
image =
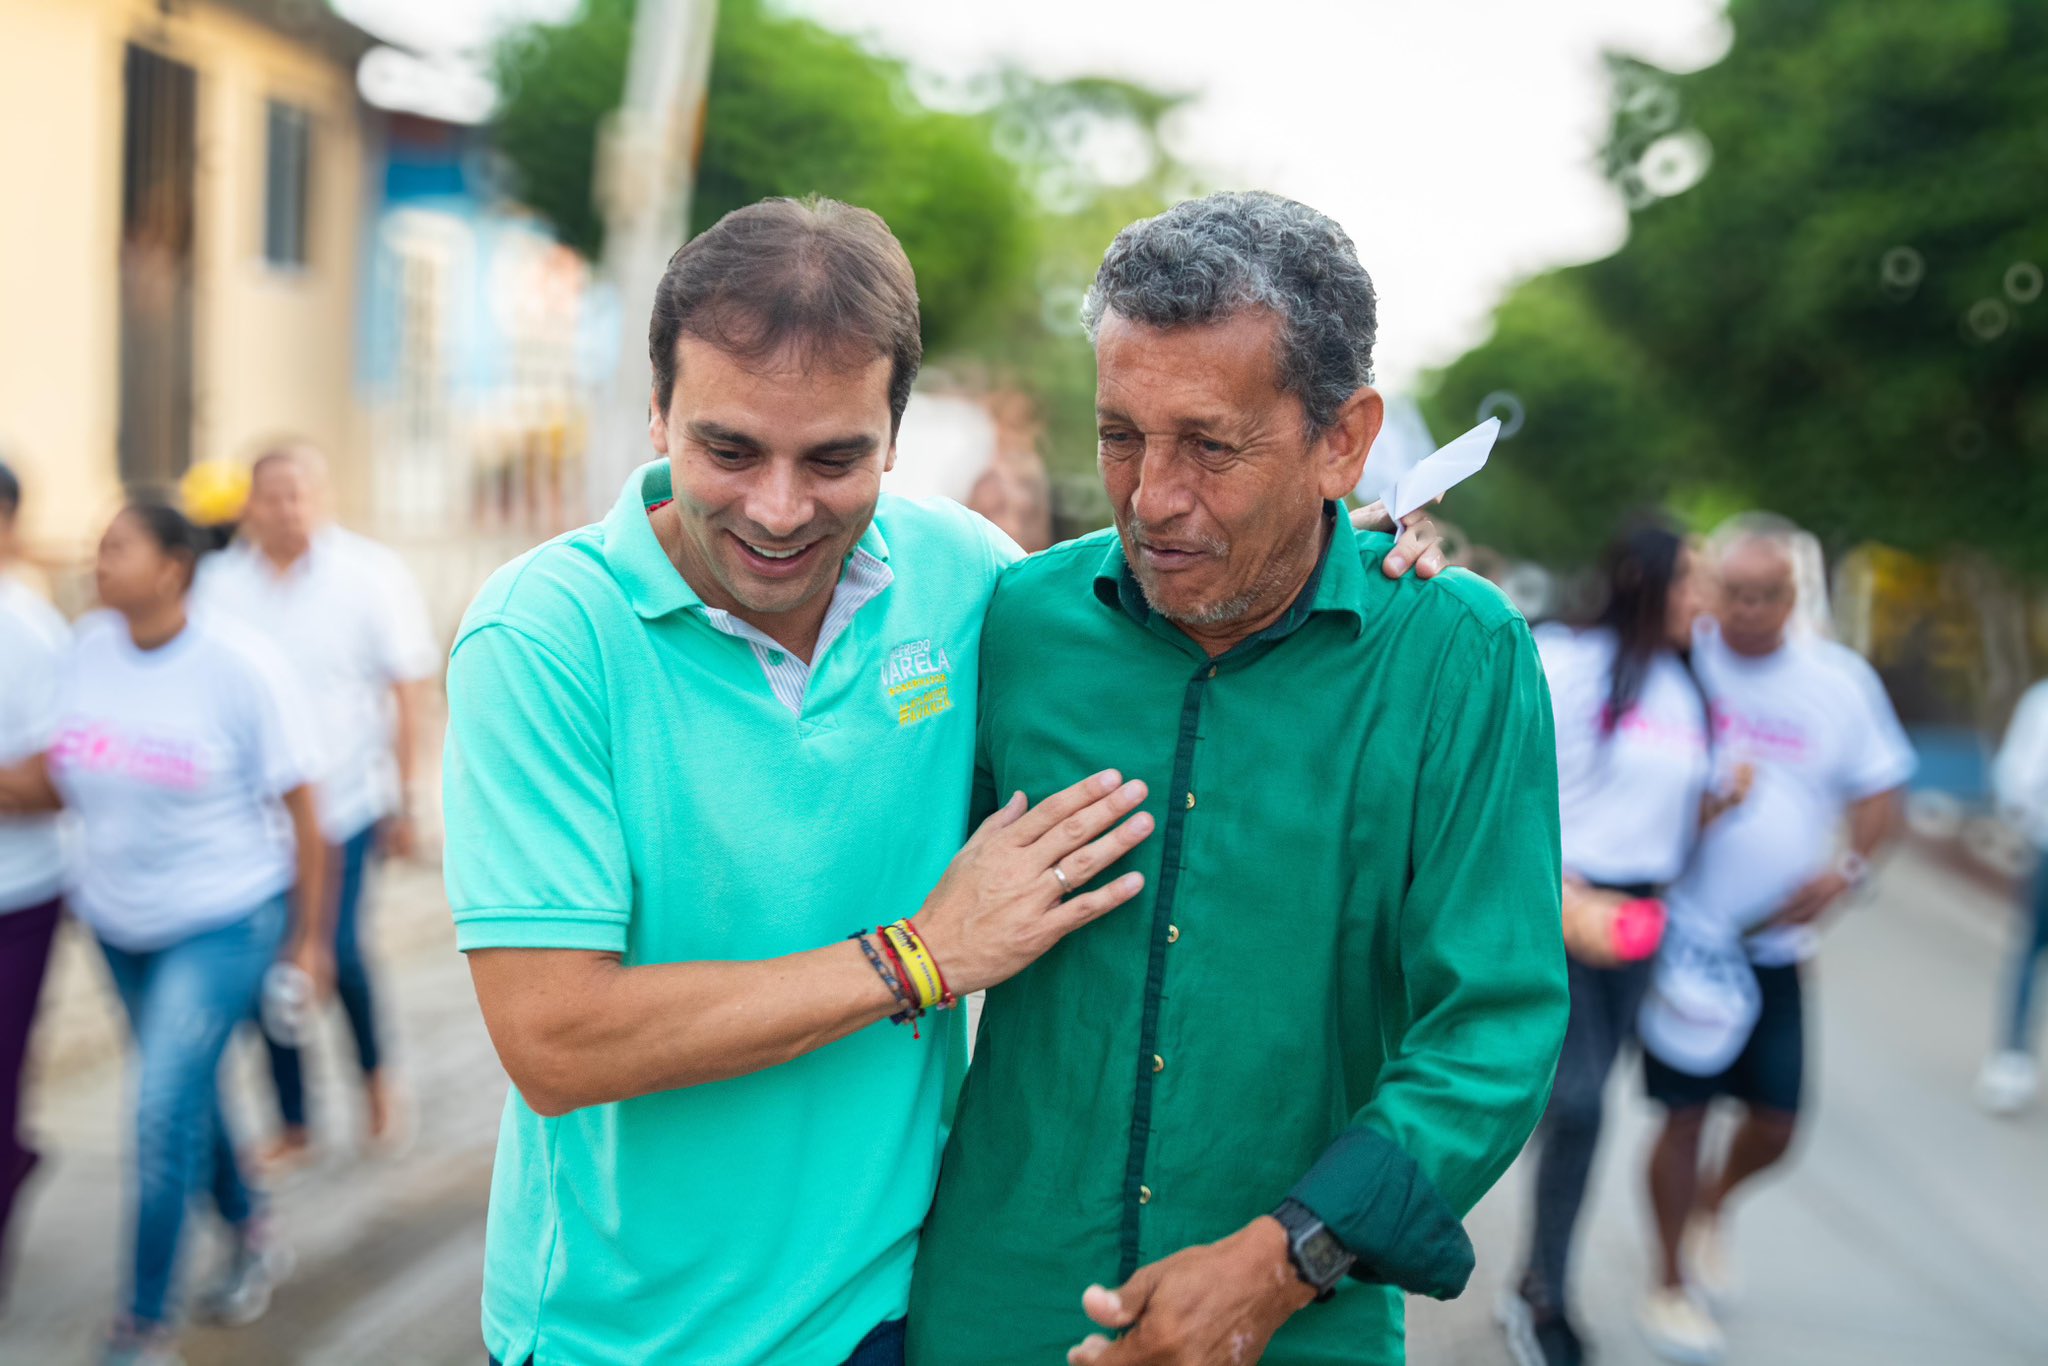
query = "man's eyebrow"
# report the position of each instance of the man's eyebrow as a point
(860, 443)
(716, 433)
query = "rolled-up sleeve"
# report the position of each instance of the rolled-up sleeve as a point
(536, 856)
(1481, 996)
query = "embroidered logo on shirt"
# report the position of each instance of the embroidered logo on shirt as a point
(914, 678)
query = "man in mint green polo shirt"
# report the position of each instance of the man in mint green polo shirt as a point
(691, 749)
(1285, 1072)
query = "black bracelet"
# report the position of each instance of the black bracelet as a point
(910, 1009)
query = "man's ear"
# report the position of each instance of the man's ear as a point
(1341, 451)
(657, 428)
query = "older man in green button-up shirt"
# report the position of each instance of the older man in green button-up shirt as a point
(1339, 998)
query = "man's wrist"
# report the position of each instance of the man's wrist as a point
(1318, 1255)
(1269, 1236)
(1853, 868)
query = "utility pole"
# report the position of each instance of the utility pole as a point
(646, 169)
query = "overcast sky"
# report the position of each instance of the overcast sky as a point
(1454, 139)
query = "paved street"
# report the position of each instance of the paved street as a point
(1913, 1232)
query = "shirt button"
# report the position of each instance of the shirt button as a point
(1144, 1195)
(1191, 801)
(1212, 671)
(1158, 1063)
(1173, 934)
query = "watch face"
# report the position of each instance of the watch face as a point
(1323, 1259)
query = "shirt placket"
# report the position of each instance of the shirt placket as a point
(1165, 932)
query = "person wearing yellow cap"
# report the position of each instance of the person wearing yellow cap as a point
(213, 494)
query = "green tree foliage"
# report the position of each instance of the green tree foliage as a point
(557, 84)
(1842, 320)
(1003, 193)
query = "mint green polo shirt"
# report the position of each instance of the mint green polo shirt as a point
(621, 776)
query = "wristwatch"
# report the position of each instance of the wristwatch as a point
(1319, 1259)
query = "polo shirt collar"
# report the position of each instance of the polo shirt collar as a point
(634, 555)
(1336, 586)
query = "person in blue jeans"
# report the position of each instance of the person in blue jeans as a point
(181, 748)
(345, 613)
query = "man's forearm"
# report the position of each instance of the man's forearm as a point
(309, 895)
(582, 1029)
(405, 734)
(25, 788)
(1874, 822)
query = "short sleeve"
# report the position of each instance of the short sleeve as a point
(1002, 551)
(28, 687)
(1563, 658)
(1879, 757)
(284, 749)
(406, 652)
(2020, 772)
(536, 854)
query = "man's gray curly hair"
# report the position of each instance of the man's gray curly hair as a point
(1207, 259)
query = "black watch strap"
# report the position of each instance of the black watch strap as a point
(1319, 1258)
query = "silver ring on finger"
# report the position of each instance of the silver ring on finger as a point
(1066, 887)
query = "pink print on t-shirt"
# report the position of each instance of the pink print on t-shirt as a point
(155, 760)
(1760, 736)
(1680, 735)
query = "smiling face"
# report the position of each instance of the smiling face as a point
(1217, 486)
(776, 466)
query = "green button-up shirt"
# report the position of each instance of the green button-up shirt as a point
(1344, 980)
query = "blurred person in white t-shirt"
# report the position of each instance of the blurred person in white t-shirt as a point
(1724, 1016)
(347, 615)
(33, 638)
(181, 748)
(1632, 761)
(2019, 777)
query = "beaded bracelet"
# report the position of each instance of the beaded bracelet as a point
(910, 1009)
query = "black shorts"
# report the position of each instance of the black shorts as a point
(1771, 1069)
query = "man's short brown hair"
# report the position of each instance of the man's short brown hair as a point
(813, 272)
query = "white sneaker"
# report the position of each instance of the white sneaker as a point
(128, 1345)
(1677, 1329)
(1708, 1267)
(259, 1263)
(2009, 1082)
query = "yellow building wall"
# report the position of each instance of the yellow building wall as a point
(60, 104)
(274, 347)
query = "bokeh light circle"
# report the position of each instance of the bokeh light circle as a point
(1988, 319)
(1902, 268)
(1675, 163)
(2023, 282)
(1505, 405)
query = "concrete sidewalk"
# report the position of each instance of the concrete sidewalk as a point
(1912, 1231)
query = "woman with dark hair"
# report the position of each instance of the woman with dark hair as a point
(178, 746)
(1633, 761)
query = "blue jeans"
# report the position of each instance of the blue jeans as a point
(183, 1002)
(882, 1347)
(351, 981)
(2033, 943)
